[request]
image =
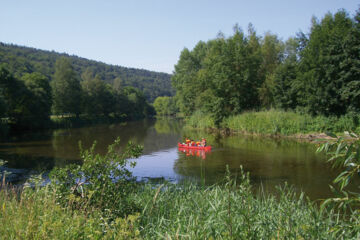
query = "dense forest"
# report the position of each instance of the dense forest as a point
(29, 100)
(21, 60)
(316, 73)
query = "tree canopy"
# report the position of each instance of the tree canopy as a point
(317, 72)
(165, 106)
(22, 60)
(224, 75)
(28, 101)
(66, 88)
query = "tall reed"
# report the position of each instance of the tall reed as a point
(234, 212)
(200, 121)
(278, 122)
(228, 210)
(34, 213)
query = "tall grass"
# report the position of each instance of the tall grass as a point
(269, 122)
(35, 214)
(279, 122)
(231, 211)
(200, 121)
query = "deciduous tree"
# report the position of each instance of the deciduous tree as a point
(40, 101)
(66, 89)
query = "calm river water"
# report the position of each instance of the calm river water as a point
(271, 162)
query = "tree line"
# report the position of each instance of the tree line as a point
(317, 73)
(28, 101)
(21, 60)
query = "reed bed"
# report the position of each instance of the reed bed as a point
(232, 211)
(34, 213)
(225, 211)
(200, 121)
(278, 122)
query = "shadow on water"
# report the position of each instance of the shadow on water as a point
(43, 150)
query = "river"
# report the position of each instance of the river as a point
(271, 162)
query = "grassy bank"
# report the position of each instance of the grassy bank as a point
(57, 122)
(226, 211)
(278, 122)
(35, 214)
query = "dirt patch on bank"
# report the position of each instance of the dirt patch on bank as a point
(312, 136)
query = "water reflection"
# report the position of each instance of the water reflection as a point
(270, 161)
(195, 152)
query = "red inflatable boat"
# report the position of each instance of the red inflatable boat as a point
(206, 148)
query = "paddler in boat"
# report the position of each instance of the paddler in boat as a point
(193, 143)
(187, 142)
(203, 142)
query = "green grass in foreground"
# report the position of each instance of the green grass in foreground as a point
(232, 212)
(278, 122)
(226, 211)
(35, 214)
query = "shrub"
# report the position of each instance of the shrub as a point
(102, 182)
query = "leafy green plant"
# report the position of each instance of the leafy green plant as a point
(103, 182)
(345, 154)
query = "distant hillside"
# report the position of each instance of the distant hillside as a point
(22, 60)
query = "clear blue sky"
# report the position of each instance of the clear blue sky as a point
(149, 34)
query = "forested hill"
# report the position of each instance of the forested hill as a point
(22, 60)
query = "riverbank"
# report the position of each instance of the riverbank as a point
(82, 121)
(64, 121)
(167, 211)
(278, 123)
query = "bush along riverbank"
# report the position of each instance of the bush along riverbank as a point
(277, 122)
(85, 202)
